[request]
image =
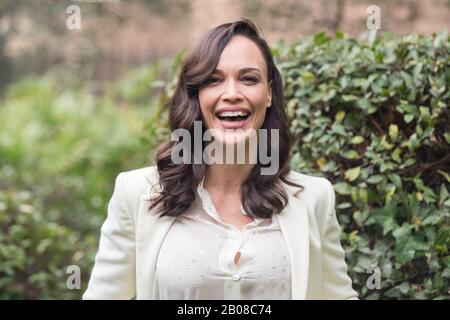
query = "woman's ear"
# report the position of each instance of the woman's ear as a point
(269, 98)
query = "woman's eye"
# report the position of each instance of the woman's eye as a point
(250, 79)
(212, 80)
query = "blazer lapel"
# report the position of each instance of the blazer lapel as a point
(150, 232)
(294, 226)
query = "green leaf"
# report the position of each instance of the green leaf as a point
(389, 194)
(344, 205)
(350, 154)
(340, 116)
(404, 249)
(396, 180)
(308, 75)
(431, 220)
(357, 140)
(445, 175)
(443, 239)
(408, 80)
(404, 287)
(447, 137)
(393, 131)
(343, 188)
(321, 38)
(375, 179)
(352, 174)
(339, 35)
(366, 105)
(446, 272)
(444, 195)
(408, 118)
(360, 217)
(349, 97)
(389, 225)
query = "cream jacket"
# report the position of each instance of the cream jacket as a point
(131, 237)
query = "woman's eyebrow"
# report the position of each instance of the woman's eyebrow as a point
(245, 70)
(240, 71)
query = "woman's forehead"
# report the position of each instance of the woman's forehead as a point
(240, 53)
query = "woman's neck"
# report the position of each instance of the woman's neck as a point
(226, 178)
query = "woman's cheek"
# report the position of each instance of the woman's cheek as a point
(258, 97)
(207, 108)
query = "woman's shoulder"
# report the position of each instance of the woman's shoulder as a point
(317, 191)
(311, 182)
(141, 176)
(136, 183)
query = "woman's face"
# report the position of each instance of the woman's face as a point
(237, 94)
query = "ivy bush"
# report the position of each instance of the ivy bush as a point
(375, 121)
(36, 253)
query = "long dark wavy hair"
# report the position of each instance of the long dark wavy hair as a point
(262, 195)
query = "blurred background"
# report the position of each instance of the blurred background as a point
(80, 105)
(118, 35)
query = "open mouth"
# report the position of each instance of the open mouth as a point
(233, 116)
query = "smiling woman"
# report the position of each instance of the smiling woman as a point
(223, 230)
(231, 70)
(240, 82)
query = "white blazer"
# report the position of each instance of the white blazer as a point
(131, 237)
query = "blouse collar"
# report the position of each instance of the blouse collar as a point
(209, 207)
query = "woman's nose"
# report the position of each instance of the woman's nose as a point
(231, 91)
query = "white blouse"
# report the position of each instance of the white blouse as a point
(197, 257)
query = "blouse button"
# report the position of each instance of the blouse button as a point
(236, 277)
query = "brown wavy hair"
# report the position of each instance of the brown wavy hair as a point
(262, 195)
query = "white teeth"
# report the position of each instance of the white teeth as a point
(233, 114)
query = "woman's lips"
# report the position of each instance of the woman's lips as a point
(233, 124)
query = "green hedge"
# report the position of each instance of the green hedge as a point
(375, 121)
(35, 251)
(60, 150)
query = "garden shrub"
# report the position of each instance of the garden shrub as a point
(35, 252)
(375, 121)
(60, 151)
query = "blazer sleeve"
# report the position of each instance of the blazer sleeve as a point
(113, 275)
(336, 283)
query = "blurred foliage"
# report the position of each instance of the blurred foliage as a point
(372, 119)
(36, 251)
(375, 121)
(60, 150)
